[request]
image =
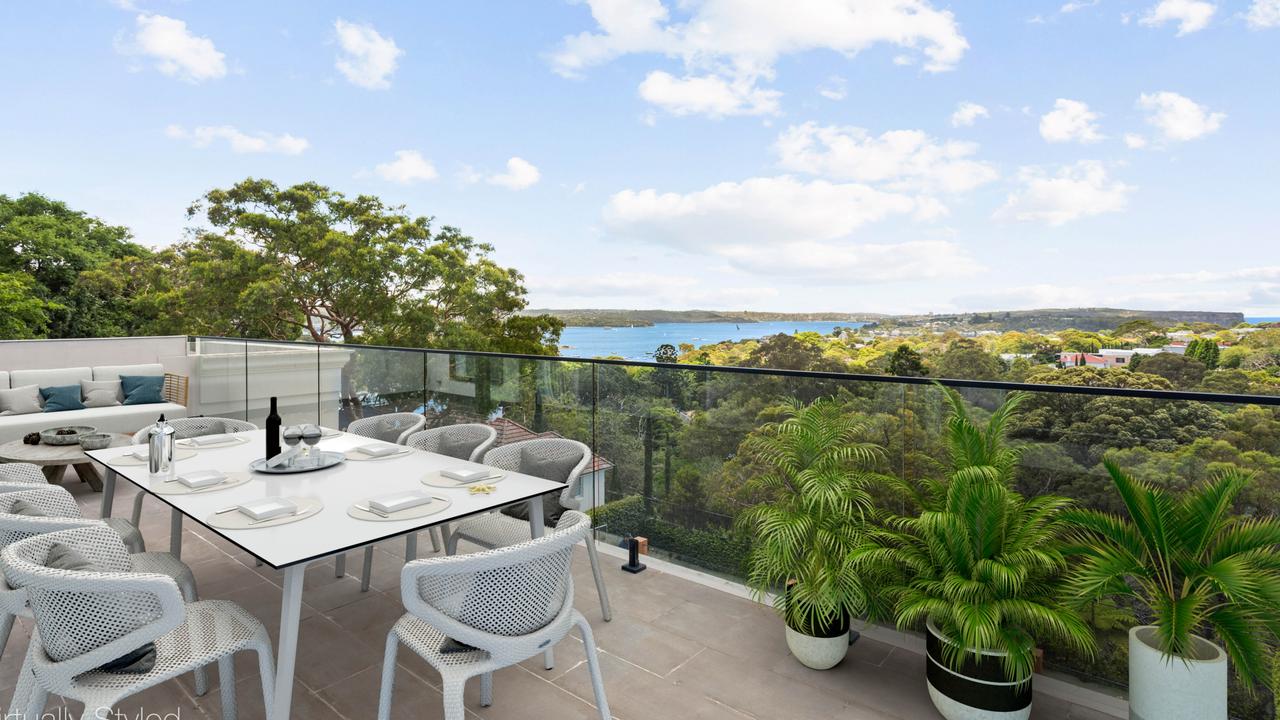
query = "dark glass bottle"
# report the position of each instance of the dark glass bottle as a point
(273, 431)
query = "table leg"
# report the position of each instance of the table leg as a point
(286, 653)
(108, 492)
(537, 528)
(89, 474)
(175, 533)
(53, 473)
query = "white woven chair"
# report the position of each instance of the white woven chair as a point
(510, 604)
(474, 439)
(85, 619)
(184, 428)
(62, 514)
(493, 530)
(21, 474)
(390, 427)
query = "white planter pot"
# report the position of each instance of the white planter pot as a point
(1174, 688)
(979, 692)
(818, 653)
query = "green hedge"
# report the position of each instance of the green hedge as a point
(714, 550)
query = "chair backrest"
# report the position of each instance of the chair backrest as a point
(498, 600)
(59, 509)
(197, 427)
(508, 457)
(390, 427)
(15, 473)
(88, 618)
(470, 441)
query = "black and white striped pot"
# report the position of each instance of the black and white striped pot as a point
(979, 691)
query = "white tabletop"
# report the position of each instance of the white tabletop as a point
(331, 530)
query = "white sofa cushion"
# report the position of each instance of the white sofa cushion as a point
(118, 418)
(4, 379)
(113, 372)
(21, 400)
(100, 393)
(50, 378)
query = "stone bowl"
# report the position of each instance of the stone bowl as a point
(95, 441)
(51, 436)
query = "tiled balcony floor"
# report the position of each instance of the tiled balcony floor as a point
(674, 650)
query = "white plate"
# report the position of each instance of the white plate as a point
(179, 453)
(234, 479)
(236, 520)
(431, 508)
(437, 480)
(228, 441)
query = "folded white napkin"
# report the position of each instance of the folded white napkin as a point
(399, 501)
(141, 454)
(201, 478)
(210, 439)
(379, 449)
(466, 474)
(268, 508)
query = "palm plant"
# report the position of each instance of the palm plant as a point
(981, 562)
(817, 473)
(1192, 564)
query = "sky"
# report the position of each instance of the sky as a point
(895, 156)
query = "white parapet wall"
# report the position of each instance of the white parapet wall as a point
(238, 379)
(169, 350)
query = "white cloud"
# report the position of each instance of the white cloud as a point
(739, 42)
(408, 167)
(177, 52)
(709, 95)
(520, 174)
(240, 142)
(1264, 14)
(1179, 118)
(1070, 121)
(1191, 15)
(1075, 5)
(368, 59)
(1133, 141)
(967, 113)
(835, 88)
(668, 291)
(1073, 192)
(834, 262)
(900, 159)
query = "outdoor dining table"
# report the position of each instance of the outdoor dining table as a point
(330, 532)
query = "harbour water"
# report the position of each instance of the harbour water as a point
(638, 343)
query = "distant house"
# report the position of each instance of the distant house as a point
(1072, 359)
(592, 486)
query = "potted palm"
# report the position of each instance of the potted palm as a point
(815, 472)
(1194, 568)
(979, 567)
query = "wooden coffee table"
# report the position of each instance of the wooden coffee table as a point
(54, 459)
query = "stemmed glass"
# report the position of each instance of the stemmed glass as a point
(311, 435)
(292, 436)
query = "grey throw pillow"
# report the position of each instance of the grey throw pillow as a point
(456, 446)
(21, 400)
(65, 557)
(22, 507)
(388, 429)
(100, 393)
(555, 468)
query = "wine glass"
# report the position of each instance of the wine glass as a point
(311, 435)
(292, 436)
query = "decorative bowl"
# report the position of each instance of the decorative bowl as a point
(65, 435)
(95, 441)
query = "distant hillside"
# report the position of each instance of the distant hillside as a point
(645, 318)
(1050, 319)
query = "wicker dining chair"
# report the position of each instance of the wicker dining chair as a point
(465, 441)
(184, 428)
(87, 618)
(508, 604)
(60, 512)
(390, 427)
(20, 473)
(494, 529)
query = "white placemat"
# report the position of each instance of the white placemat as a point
(437, 480)
(437, 505)
(179, 453)
(236, 520)
(234, 479)
(229, 441)
(358, 456)
(328, 432)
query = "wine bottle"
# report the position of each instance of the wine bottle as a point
(273, 431)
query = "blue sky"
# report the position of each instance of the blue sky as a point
(860, 155)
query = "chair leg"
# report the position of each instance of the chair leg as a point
(593, 665)
(202, 680)
(340, 565)
(227, 686)
(453, 708)
(486, 689)
(6, 627)
(367, 570)
(266, 670)
(450, 542)
(388, 676)
(136, 515)
(28, 697)
(411, 547)
(437, 538)
(594, 557)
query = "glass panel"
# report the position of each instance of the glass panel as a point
(217, 385)
(287, 372)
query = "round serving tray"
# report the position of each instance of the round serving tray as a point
(327, 459)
